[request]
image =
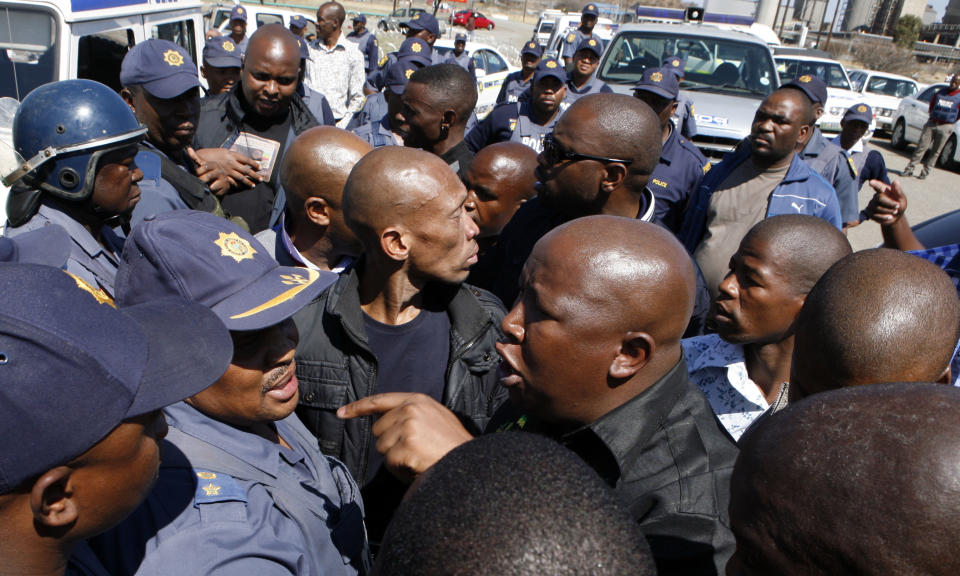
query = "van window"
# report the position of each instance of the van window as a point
(264, 19)
(99, 55)
(180, 32)
(28, 54)
(220, 17)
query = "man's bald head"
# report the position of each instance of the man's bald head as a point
(275, 42)
(876, 316)
(500, 178)
(855, 481)
(333, 10)
(622, 127)
(317, 165)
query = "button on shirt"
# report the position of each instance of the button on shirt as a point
(338, 74)
(719, 369)
(242, 529)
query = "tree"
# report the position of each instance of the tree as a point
(907, 31)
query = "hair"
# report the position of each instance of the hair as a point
(512, 503)
(451, 87)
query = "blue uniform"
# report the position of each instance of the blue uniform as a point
(828, 160)
(377, 133)
(374, 108)
(571, 40)
(228, 501)
(464, 60)
(677, 175)
(513, 86)
(511, 122)
(95, 264)
(367, 43)
(593, 86)
(684, 118)
(865, 165)
(156, 194)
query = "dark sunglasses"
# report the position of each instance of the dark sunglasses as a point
(554, 153)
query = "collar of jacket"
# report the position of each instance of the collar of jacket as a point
(797, 172)
(300, 116)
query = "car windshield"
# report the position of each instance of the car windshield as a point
(830, 72)
(28, 55)
(891, 87)
(712, 64)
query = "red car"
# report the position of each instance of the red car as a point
(460, 19)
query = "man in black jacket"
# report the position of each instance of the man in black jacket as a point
(400, 319)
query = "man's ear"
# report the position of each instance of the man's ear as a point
(636, 349)
(393, 242)
(51, 499)
(129, 98)
(805, 132)
(317, 211)
(449, 119)
(613, 176)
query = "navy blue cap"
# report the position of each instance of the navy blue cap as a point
(590, 10)
(416, 49)
(424, 21)
(298, 22)
(238, 13)
(206, 259)
(49, 245)
(304, 50)
(163, 68)
(360, 18)
(674, 64)
(399, 73)
(74, 367)
(549, 67)
(811, 85)
(460, 37)
(591, 44)
(221, 52)
(532, 48)
(659, 81)
(858, 112)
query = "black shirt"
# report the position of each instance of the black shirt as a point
(458, 157)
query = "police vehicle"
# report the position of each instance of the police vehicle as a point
(492, 69)
(43, 41)
(566, 23)
(726, 74)
(258, 15)
(840, 94)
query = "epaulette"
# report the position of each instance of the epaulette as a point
(217, 487)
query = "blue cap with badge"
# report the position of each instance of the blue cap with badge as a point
(163, 68)
(812, 86)
(532, 48)
(549, 67)
(659, 81)
(424, 21)
(858, 113)
(221, 52)
(415, 49)
(49, 245)
(74, 367)
(590, 10)
(362, 18)
(461, 37)
(399, 73)
(238, 13)
(591, 44)
(298, 22)
(206, 259)
(674, 64)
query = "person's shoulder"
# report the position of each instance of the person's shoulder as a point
(214, 102)
(691, 149)
(705, 351)
(487, 300)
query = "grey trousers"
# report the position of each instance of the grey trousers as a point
(933, 137)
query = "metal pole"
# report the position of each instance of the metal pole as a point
(833, 24)
(777, 14)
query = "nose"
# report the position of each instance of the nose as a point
(512, 324)
(271, 87)
(472, 229)
(728, 286)
(137, 174)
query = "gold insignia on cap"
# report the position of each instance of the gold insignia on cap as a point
(299, 285)
(235, 247)
(805, 78)
(676, 62)
(416, 47)
(592, 42)
(408, 73)
(861, 108)
(590, 7)
(228, 46)
(211, 489)
(98, 294)
(173, 58)
(656, 77)
(206, 475)
(417, 17)
(531, 45)
(239, 9)
(551, 64)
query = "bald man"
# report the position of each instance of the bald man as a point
(741, 367)
(876, 316)
(434, 110)
(399, 319)
(312, 232)
(592, 357)
(763, 177)
(259, 117)
(856, 481)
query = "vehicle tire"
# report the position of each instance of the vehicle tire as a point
(898, 138)
(490, 26)
(945, 161)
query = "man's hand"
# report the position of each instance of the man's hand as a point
(240, 170)
(210, 174)
(888, 204)
(414, 432)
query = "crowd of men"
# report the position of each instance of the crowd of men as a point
(243, 339)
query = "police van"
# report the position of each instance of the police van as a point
(47, 40)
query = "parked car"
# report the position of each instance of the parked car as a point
(883, 92)
(460, 19)
(394, 21)
(908, 124)
(492, 69)
(258, 15)
(840, 95)
(727, 74)
(545, 26)
(942, 230)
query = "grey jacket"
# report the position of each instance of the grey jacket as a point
(335, 365)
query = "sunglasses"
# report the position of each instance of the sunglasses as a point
(554, 154)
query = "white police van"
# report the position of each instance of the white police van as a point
(47, 40)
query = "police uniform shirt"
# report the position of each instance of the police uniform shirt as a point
(90, 261)
(378, 133)
(367, 43)
(676, 177)
(511, 122)
(464, 60)
(513, 86)
(592, 86)
(374, 109)
(156, 194)
(201, 521)
(864, 164)
(571, 40)
(684, 118)
(828, 160)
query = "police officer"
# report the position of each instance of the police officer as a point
(413, 47)
(298, 25)
(530, 121)
(384, 131)
(865, 164)
(582, 79)
(681, 165)
(413, 51)
(516, 83)
(825, 157)
(79, 140)
(161, 86)
(573, 38)
(684, 117)
(243, 487)
(460, 56)
(366, 42)
(238, 28)
(221, 65)
(424, 25)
